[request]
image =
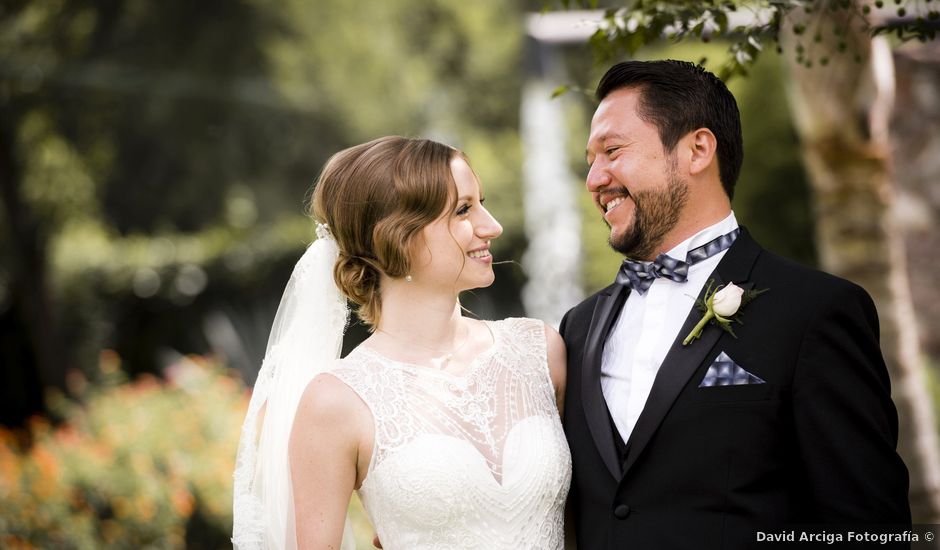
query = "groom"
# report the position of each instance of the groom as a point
(788, 421)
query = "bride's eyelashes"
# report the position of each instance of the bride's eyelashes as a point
(465, 208)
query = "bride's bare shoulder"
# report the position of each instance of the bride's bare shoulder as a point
(329, 401)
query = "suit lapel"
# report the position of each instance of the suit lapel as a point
(595, 407)
(681, 362)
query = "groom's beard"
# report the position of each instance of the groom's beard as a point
(656, 213)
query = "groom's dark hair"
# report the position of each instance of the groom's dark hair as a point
(678, 97)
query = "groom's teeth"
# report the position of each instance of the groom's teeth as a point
(479, 253)
(612, 204)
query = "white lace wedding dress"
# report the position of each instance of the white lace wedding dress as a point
(471, 461)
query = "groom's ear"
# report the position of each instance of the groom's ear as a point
(702, 148)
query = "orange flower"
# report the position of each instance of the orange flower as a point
(67, 436)
(183, 501)
(9, 466)
(145, 507)
(48, 467)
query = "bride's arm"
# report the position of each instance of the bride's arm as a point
(324, 450)
(557, 364)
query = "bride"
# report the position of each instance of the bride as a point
(447, 427)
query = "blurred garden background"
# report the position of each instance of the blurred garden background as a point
(155, 159)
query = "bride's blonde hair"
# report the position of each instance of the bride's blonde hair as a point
(376, 198)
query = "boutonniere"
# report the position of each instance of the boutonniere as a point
(722, 304)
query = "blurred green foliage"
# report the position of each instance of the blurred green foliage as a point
(750, 27)
(142, 464)
(155, 157)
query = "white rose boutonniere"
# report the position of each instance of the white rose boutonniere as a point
(727, 301)
(721, 305)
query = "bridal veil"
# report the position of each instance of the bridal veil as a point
(305, 340)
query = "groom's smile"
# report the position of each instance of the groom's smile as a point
(614, 204)
(610, 201)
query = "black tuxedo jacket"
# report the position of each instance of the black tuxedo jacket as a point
(708, 467)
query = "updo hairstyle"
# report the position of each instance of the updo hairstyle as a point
(376, 198)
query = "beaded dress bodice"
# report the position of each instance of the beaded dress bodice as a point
(477, 460)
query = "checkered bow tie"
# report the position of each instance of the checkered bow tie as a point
(640, 275)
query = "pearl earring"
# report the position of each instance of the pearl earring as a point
(408, 278)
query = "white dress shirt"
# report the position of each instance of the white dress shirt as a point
(646, 328)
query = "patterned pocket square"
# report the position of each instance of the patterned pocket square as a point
(725, 372)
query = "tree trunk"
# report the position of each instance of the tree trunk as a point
(842, 112)
(31, 307)
(915, 135)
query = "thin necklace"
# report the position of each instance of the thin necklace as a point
(443, 359)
